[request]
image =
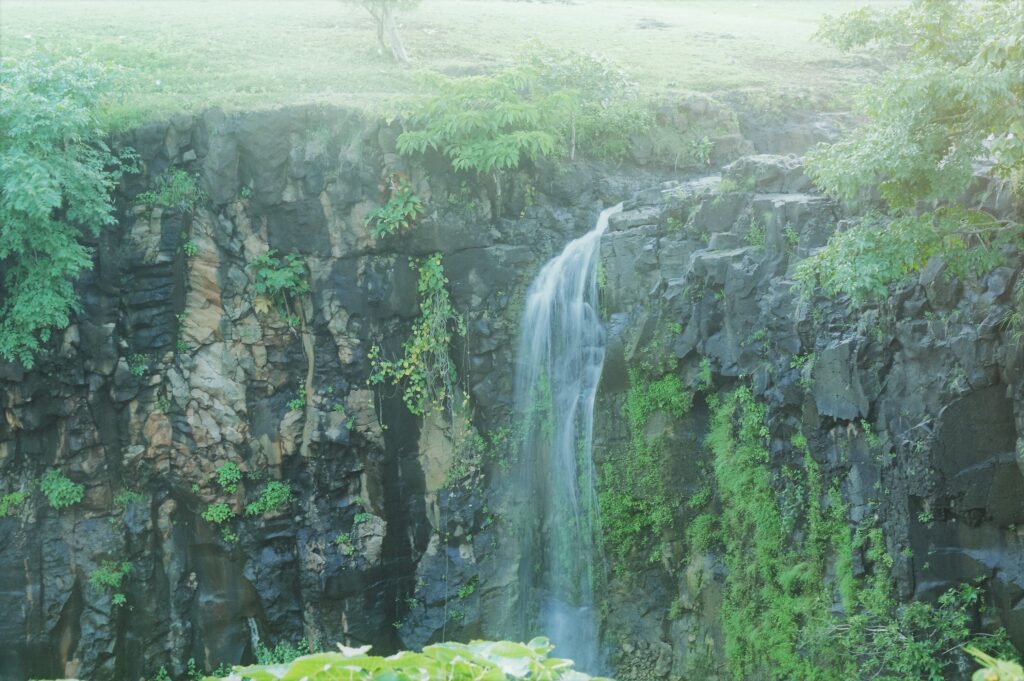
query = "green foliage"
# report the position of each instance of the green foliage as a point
(137, 365)
(283, 652)
(218, 513)
(954, 97)
(9, 503)
(548, 101)
(109, 576)
(56, 175)
(603, 106)
(876, 251)
(344, 543)
(956, 82)
(60, 492)
(228, 477)
(757, 234)
(994, 669)
(399, 213)
(179, 191)
(702, 533)
(485, 124)
(479, 660)
(636, 506)
(426, 370)
(274, 496)
(298, 403)
(278, 281)
(126, 498)
(776, 612)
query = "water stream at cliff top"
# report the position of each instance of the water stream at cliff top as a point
(559, 362)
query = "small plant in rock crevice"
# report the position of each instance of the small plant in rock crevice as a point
(400, 212)
(218, 513)
(278, 282)
(179, 191)
(109, 577)
(59, 491)
(228, 477)
(9, 503)
(274, 496)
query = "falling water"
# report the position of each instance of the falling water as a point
(254, 633)
(561, 353)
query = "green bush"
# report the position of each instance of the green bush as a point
(56, 175)
(273, 497)
(109, 577)
(954, 95)
(485, 124)
(399, 213)
(479, 660)
(278, 281)
(228, 477)
(218, 513)
(179, 191)
(60, 491)
(283, 652)
(10, 502)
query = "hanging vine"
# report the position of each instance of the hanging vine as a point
(426, 370)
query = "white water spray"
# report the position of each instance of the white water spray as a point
(559, 362)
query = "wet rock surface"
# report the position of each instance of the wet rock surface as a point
(174, 368)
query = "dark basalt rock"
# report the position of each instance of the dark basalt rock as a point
(429, 560)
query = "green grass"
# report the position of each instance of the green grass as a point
(187, 55)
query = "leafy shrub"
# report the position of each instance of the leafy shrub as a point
(218, 513)
(603, 106)
(60, 491)
(278, 281)
(426, 370)
(876, 251)
(298, 403)
(179, 191)
(274, 496)
(56, 175)
(126, 498)
(954, 96)
(10, 502)
(494, 661)
(485, 124)
(228, 477)
(109, 576)
(283, 652)
(399, 213)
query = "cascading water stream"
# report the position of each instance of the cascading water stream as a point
(559, 362)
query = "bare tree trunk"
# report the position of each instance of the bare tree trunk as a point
(390, 31)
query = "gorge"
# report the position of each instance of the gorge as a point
(352, 520)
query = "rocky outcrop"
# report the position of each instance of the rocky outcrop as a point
(393, 533)
(916, 406)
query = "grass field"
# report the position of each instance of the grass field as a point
(185, 55)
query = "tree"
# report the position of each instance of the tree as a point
(56, 175)
(954, 96)
(383, 13)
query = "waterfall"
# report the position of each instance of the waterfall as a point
(254, 634)
(559, 361)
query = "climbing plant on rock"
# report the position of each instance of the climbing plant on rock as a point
(426, 371)
(56, 175)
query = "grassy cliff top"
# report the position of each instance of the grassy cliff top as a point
(186, 55)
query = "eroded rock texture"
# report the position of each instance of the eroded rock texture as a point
(174, 368)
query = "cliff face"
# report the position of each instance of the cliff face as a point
(395, 531)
